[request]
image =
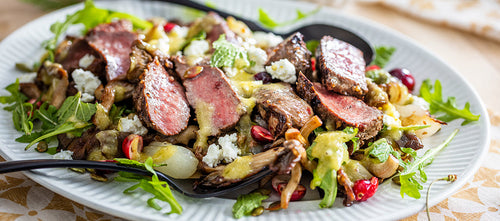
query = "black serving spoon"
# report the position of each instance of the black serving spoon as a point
(310, 32)
(183, 186)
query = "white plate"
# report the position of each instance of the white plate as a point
(461, 157)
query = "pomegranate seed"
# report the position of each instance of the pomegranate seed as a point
(132, 146)
(264, 77)
(405, 76)
(261, 134)
(298, 194)
(372, 67)
(313, 63)
(364, 189)
(169, 26)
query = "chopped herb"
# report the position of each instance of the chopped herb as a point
(448, 110)
(269, 22)
(246, 203)
(159, 189)
(410, 184)
(383, 55)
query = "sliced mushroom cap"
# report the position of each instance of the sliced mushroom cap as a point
(381, 170)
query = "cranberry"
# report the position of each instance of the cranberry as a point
(132, 146)
(405, 76)
(264, 77)
(261, 134)
(169, 26)
(364, 189)
(298, 194)
(313, 63)
(372, 67)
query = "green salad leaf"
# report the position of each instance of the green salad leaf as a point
(269, 22)
(446, 111)
(410, 182)
(329, 186)
(383, 55)
(246, 203)
(312, 45)
(226, 53)
(159, 189)
(19, 107)
(381, 150)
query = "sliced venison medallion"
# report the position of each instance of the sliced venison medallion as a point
(78, 49)
(113, 41)
(340, 111)
(281, 107)
(160, 101)
(294, 50)
(341, 67)
(216, 104)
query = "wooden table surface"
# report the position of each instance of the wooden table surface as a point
(476, 58)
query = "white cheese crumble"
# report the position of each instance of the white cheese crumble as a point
(86, 60)
(283, 70)
(131, 124)
(85, 82)
(226, 151)
(266, 40)
(64, 155)
(197, 48)
(179, 31)
(258, 57)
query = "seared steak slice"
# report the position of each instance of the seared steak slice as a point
(281, 108)
(114, 42)
(294, 49)
(340, 111)
(341, 67)
(77, 50)
(160, 101)
(216, 104)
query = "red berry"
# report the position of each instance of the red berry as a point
(405, 76)
(372, 67)
(364, 189)
(298, 194)
(313, 63)
(261, 134)
(169, 26)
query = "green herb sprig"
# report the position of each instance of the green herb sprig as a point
(269, 22)
(383, 55)
(448, 110)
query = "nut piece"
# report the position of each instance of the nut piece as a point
(261, 134)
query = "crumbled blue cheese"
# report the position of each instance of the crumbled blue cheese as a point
(226, 151)
(258, 59)
(85, 82)
(179, 31)
(64, 155)
(266, 40)
(283, 70)
(131, 124)
(86, 60)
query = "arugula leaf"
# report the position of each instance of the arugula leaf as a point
(202, 35)
(73, 107)
(380, 149)
(269, 22)
(47, 115)
(246, 203)
(382, 55)
(448, 110)
(329, 186)
(20, 108)
(159, 189)
(410, 184)
(226, 53)
(90, 16)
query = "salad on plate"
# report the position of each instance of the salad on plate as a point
(214, 102)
